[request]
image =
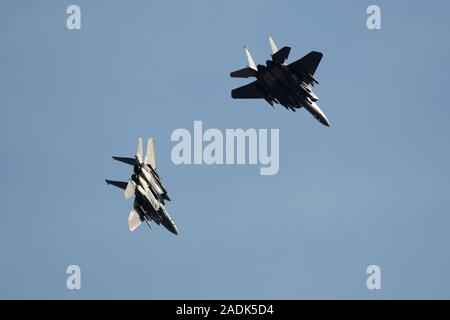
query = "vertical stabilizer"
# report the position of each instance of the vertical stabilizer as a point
(139, 151)
(251, 63)
(273, 46)
(150, 154)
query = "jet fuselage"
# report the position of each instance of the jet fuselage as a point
(282, 86)
(152, 178)
(148, 206)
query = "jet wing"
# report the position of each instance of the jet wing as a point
(134, 220)
(306, 65)
(249, 91)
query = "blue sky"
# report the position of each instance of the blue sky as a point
(372, 189)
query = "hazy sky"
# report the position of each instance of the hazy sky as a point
(372, 189)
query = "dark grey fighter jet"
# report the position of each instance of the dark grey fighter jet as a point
(287, 84)
(145, 184)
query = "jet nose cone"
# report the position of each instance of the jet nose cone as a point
(171, 226)
(325, 122)
(174, 230)
(322, 118)
(314, 109)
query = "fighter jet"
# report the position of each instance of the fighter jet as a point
(277, 82)
(145, 184)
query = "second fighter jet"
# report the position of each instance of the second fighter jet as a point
(287, 84)
(145, 184)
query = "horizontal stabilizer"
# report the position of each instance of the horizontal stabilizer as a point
(119, 184)
(281, 55)
(134, 220)
(308, 64)
(249, 91)
(243, 73)
(130, 161)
